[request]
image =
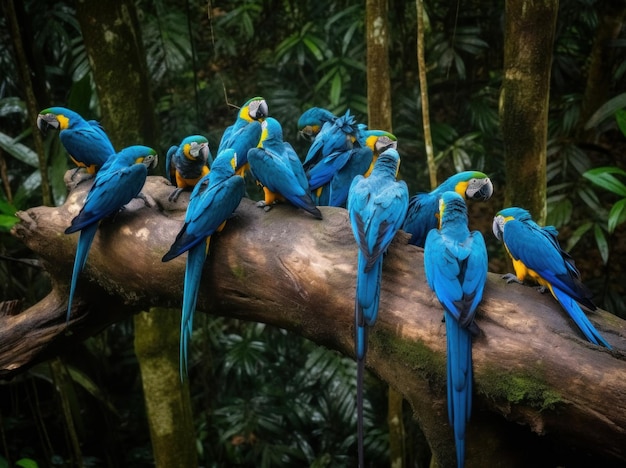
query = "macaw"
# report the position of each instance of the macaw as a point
(186, 164)
(331, 149)
(279, 171)
(537, 256)
(376, 206)
(119, 180)
(361, 162)
(245, 133)
(311, 121)
(213, 200)
(423, 209)
(455, 263)
(85, 141)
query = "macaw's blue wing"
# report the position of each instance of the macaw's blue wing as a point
(212, 202)
(85, 141)
(323, 172)
(537, 256)
(119, 180)
(423, 209)
(277, 176)
(170, 169)
(247, 138)
(376, 207)
(421, 217)
(455, 264)
(358, 164)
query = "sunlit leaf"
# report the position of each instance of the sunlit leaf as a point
(18, 150)
(577, 234)
(620, 117)
(617, 215)
(606, 110)
(603, 177)
(601, 242)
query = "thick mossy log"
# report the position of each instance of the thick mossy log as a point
(531, 365)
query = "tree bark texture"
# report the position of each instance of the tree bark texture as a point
(378, 80)
(532, 367)
(114, 45)
(529, 29)
(167, 403)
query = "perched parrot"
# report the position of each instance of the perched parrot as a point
(312, 120)
(186, 164)
(376, 206)
(361, 162)
(331, 149)
(245, 133)
(279, 171)
(424, 206)
(455, 263)
(538, 256)
(213, 200)
(85, 141)
(118, 181)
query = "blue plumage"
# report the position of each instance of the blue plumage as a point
(376, 206)
(187, 163)
(278, 170)
(85, 141)
(423, 209)
(212, 202)
(117, 182)
(245, 132)
(455, 263)
(538, 256)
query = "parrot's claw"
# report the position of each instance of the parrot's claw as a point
(266, 207)
(147, 199)
(542, 289)
(511, 278)
(175, 194)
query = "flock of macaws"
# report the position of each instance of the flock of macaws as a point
(347, 165)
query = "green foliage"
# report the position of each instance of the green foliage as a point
(279, 407)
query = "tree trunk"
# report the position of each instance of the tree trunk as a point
(169, 413)
(529, 29)
(379, 117)
(114, 45)
(532, 368)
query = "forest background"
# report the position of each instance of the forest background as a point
(203, 60)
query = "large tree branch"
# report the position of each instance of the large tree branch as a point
(531, 365)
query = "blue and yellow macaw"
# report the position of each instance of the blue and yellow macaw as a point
(361, 162)
(186, 164)
(212, 201)
(119, 180)
(537, 256)
(423, 209)
(85, 141)
(279, 171)
(312, 120)
(245, 133)
(331, 150)
(455, 263)
(376, 206)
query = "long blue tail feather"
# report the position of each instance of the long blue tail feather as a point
(459, 370)
(579, 317)
(196, 257)
(85, 239)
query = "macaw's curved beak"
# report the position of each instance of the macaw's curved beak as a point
(484, 192)
(47, 121)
